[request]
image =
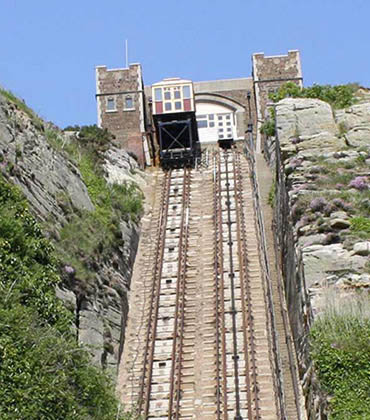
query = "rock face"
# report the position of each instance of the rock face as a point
(49, 179)
(354, 121)
(306, 124)
(320, 156)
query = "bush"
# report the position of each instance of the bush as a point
(340, 96)
(44, 373)
(340, 348)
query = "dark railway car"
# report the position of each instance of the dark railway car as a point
(175, 122)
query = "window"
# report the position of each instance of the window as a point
(202, 124)
(167, 105)
(177, 94)
(177, 105)
(211, 117)
(157, 94)
(211, 124)
(111, 104)
(129, 102)
(186, 92)
(220, 117)
(228, 116)
(167, 96)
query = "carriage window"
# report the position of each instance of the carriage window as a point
(158, 94)
(211, 117)
(228, 116)
(220, 117)
(167, 106)
(129, 102)
(177, 94)
(202, 124)
(167, 95)
(111, 104)
(177, 105)
(186, 92)
(211, 124)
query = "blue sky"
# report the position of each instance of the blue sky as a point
(49, 49)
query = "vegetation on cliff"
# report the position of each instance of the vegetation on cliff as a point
(339, 96)
(44, 373)
(98, 231)
(341, 352)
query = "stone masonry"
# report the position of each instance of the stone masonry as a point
(124, 105)
(120, 106)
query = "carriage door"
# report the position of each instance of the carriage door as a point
(225, 126)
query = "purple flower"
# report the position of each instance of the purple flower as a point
(360, 183)
(68, 269)
(318, 204)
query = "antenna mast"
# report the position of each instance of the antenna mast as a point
(126, 43)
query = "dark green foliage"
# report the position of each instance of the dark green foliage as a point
(268, 126)
(341, 352)
(340, 96)
(44, 373)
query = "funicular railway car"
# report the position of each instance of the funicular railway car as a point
(175, 122)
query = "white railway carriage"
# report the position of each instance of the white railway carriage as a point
(174, 118)
(173, 95)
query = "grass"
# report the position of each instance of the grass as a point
(340, 348)
(11, 98)
(98, 231)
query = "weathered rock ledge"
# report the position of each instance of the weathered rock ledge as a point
(48, 177)
(321, 158)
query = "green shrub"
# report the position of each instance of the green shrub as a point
(44, 373)
(361, 225)
(340, 96)
(340, 348)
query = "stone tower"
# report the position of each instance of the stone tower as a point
(269, 73)
(121, 107)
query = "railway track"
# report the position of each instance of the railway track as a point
(197, 343)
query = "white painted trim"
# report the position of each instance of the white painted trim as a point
(98, 107)
(299, 69)
(259, 117)
(141, 100)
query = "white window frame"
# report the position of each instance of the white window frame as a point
(111, 98)
(133, 102)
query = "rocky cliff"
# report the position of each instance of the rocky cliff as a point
(33, 156)
(322, 205)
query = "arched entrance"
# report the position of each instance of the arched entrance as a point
(219, 118)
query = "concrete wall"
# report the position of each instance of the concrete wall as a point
(127, 124)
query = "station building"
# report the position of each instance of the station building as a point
(226, 110)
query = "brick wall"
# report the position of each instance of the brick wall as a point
(120, 86)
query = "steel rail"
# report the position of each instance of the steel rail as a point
(238, 208)
(146, 379)
(220, 293)
(247, 288)
(232, 290)
(178, 334)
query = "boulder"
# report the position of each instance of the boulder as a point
(355, 121)
(321, 261)
(339, 224)
(362, 248)
(309, 120)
